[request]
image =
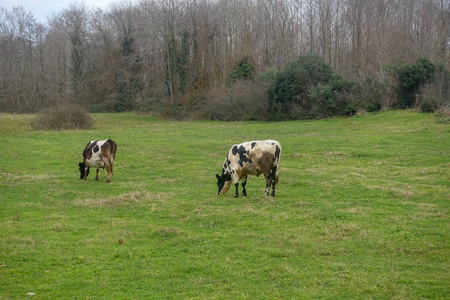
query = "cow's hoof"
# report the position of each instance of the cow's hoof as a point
(108, 181)
(235, 196)
(244, 194)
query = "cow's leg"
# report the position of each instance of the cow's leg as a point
(274, 176)
(268, 183)
(244, 183)
(109, 170)
(96, 174)
(273, 189)
(236, 184)
(236, 192)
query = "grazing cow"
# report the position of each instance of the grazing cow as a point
(250, 158)
(98, 154)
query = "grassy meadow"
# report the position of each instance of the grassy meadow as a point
(361, 211)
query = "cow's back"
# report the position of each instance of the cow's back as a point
(257, 149)
(255, 157)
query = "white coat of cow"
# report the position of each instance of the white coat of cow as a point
(250, 158)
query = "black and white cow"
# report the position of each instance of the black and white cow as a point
(250, 158)
(98, 154)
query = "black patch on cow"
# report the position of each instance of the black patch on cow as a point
(234, 150)
(224, 171)
(226, 165)
(243, 156)
(226, 177)
(253, 145)
(96, 148)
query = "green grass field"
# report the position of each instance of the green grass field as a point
(362, 211)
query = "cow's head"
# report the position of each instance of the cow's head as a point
(82, 170)
(223, 183)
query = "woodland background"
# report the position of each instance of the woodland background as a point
(241, 59)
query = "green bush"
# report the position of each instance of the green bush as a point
(288, 95)
(64, 116)
(243, 70)
(366, 95)
(409, 79)
(330, 99)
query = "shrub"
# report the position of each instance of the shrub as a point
(409, 80)
(367, 95)
(435, 95)
(330, 99)
(64, 116)
(268, 77)
(243, 70)
(244, 100)
(288, 95)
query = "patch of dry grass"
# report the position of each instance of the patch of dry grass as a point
(124, 199)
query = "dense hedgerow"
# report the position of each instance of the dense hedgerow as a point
(308, 89)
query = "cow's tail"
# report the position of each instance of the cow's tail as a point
(112, 150)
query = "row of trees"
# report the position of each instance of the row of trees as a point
(189, 52)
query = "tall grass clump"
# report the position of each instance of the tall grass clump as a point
(61, 117)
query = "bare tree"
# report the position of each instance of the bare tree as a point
(172, 49)
(75, 20)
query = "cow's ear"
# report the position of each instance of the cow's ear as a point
(217, 176)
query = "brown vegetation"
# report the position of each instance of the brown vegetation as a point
(63, 116)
